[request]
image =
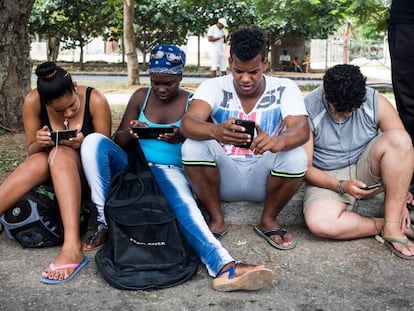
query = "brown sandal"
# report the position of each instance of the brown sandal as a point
(96, 240)
(250, 280)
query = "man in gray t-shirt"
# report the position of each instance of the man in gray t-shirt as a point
(357, 139)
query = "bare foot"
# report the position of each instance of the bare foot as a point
(217, 226)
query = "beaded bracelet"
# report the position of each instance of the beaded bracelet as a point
(340, 186)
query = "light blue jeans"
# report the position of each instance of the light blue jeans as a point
(102, 159)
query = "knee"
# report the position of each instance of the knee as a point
(400, 140)
(188, 145)
(90, 145)
(194, 149)
(36, 164)
(294, 160)
(91, 141)
(319, 226)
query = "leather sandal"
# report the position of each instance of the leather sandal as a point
(254, 279)
(97, 239)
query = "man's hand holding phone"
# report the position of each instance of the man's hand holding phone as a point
(249, 129)
(371, 186)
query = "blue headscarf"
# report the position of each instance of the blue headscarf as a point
(166, 58)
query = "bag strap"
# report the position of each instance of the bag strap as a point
(137, 162)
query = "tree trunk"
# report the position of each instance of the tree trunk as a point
(52, 48)
(129, 43)
(15, 62)
(82, 66)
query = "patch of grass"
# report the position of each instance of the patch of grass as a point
(10, 157)
(117, 113)
(308, 88)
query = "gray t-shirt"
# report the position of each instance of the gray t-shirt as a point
(340, 144)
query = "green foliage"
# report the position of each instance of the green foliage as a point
(74, 23)
(77, 22)
(172, 20)
(84, 20)
(46, 19)
(310, 18)
(159, 22)
(370, 17)
(113, 10)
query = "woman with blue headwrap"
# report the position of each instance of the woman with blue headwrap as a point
(163, 104)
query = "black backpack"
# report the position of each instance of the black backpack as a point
(35, 219)
(145, 248)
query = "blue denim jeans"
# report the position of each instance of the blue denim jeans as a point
(102, 159)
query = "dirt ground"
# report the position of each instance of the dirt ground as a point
(11, 144)
(316, 275)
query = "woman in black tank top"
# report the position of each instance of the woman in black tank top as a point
(58, 104)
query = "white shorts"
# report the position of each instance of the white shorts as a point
(244, 178)
(218, 59)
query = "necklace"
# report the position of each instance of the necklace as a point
(66, 123)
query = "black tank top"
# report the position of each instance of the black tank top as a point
(87, 125)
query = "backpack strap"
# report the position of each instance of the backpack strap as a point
(137, 162)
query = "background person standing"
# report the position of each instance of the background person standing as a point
(401, 44)
(216, 37)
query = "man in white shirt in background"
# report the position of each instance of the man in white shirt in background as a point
(285, 61)
(216, 37)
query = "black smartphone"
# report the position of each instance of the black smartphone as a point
(62, 135)
(249, 126)
(372, 186)
(151, 132)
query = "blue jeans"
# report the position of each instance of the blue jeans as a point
(102, 159)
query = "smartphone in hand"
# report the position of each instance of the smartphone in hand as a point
(151, 132)
(57, 136)
(371, 186)
(249, 126)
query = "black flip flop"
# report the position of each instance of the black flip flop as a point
(280, 232)
(220, 235)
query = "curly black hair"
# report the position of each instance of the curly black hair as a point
(247, 43)
(344, 87)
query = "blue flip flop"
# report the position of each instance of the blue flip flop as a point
(78, 267)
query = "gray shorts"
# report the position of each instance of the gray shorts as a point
(360, 171)
(244, 178)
